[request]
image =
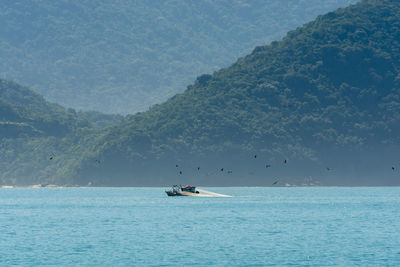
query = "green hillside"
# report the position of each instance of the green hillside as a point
(123, 56)
(41, 142)
(25, 113)
(324, 98)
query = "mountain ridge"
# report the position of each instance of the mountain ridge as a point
(331, 85)
(86, 54)
(319, 107)
(42, 141)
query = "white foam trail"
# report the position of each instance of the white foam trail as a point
(204, 193)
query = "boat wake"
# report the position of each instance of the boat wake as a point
(204, 193)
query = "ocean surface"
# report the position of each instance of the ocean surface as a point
(256, 227)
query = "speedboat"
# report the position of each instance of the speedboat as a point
(179, 190)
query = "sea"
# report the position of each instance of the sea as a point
(257, 226)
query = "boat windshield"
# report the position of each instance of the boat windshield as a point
(188, 188)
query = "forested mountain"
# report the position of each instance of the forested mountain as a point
(40, 141)
(123, 56)
(25, 113)
(322, 104)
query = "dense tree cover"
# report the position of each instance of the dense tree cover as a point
(24, 112)
(327, 94)
(123, 56)
(41, 141)
(321, 105)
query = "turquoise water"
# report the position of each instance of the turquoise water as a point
(143, 227)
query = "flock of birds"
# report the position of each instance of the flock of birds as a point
(285, 161)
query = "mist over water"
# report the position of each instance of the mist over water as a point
(143, 227)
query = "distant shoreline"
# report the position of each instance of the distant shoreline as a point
(227, 186)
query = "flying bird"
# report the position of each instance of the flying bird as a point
(180, 172)
(285, 161)
(229, 171)
(97, 161)
(255, 156)
(177, 165)
(198, 168)
(328, 169)
(393, 168)
(274, 183)
(267, 166)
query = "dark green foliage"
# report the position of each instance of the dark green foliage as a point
(328, 93)
(22, 108)
(123, 56)
(41, 142)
